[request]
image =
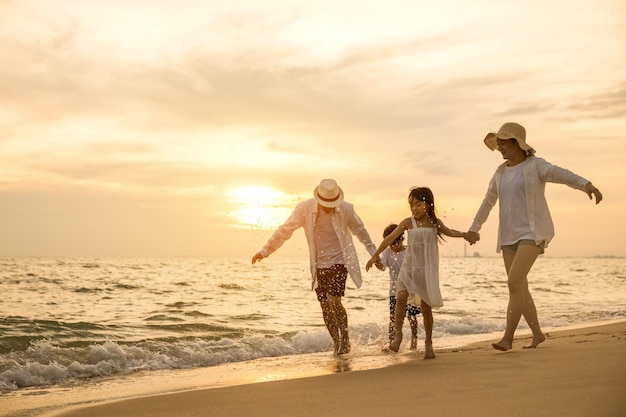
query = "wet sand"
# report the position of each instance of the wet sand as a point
(575, 372)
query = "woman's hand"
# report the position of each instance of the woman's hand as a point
(591, 191)
(472, 237)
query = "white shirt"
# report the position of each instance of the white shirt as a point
(328, 249)
(537, 172)
(513, 211)
(346, 223)
(392, 260)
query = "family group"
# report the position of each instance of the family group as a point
(524, 232)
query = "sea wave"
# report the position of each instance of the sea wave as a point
(48, 362)
(63, 322)
(44, 362)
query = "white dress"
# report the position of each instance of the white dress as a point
(419, 273)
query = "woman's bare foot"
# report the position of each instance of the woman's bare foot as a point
(429, 351)
(535, 342)
(503, 345)
(394, 346)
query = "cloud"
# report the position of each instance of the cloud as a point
(605, 105)
(159, 102)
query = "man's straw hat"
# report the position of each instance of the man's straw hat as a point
(328, 193)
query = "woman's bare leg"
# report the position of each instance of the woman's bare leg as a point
(530, 311)
(530, 315)
(518, 265)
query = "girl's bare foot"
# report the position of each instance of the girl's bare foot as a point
(536, 341)
(430, 352)
(394, 346)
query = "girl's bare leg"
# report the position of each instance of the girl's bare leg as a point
(518, 265)
(401, 299)
(427, 315)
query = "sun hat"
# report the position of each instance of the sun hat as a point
(328, 193)
(509, 131)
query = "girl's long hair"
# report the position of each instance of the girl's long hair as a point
(426, 195)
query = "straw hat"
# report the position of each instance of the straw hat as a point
(328, 193)
(509, 131)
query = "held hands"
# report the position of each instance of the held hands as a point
(472, 237)
(590, 189)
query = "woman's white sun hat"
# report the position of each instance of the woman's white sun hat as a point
(328, 193)
(509, 131)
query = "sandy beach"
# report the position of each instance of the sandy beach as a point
(576, 372)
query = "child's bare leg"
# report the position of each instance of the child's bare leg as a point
(413, 322)
(427, 315)
(392, 321)
(401, 298)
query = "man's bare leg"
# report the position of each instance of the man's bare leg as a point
(331, 323)
(341, 317)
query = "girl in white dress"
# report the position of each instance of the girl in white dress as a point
(419, 273)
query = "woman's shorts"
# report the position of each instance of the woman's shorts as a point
(331, 281)
(513, 248)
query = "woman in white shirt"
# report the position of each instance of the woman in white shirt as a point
(525, 228)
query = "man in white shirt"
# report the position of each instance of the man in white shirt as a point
(329, 223)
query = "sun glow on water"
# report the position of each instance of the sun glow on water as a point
(260, 207)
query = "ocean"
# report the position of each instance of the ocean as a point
(71, 322)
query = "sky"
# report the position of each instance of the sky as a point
(153, 128)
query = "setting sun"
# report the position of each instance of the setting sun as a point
(260, 207)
